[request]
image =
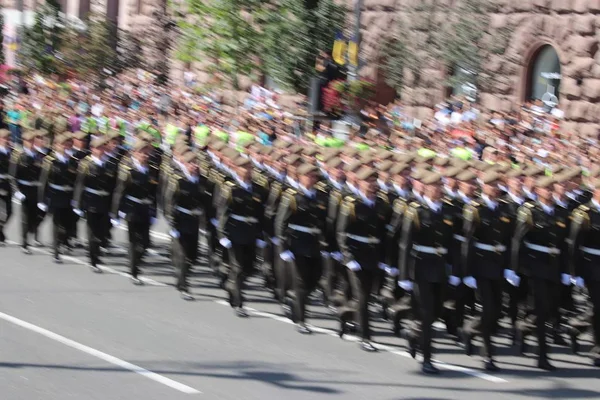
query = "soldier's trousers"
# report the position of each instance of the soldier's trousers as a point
(517, 297)
(185, 252)
(306, 272)
(362, 283)
(594, 291)
(61, 221)
(336, 281)
(490, 294)
(5, 213)
(241, 257)
(429, 299)
(31, 218)
(96, 231)
(544, 299)
(139, 240)
(283, 275)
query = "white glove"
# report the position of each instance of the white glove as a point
(578, 281)
(470, 282)
(565, 279)
(122, 215)
(392, 271)
(325, 254)
(225, 243)
(337, 256)
(453, 280)
(511, 277)
(153, 221)
(383, 266)
(78, 212)
(42, 207)
(287, 256)
(261, 244)
(174, 233)
(19, 196)
(115, 222)
(406, 285)
(214, 222)
(275, 240)
(353, 266)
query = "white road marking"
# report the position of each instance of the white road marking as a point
(381, 347)
(101, 355)
(104, 268)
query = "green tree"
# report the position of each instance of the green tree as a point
(223, 34)
(294, 32)
(41, 41)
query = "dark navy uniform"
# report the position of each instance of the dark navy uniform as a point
(5, 189)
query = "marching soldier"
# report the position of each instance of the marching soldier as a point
(77, 153)
(57, 183)
(360, 232)
(5, 185)
(135, 201)
(186, 202)
(25, 168)
(93, 188)
(300, 227)
(585, 252)
(113, 156)
(240, 211)
(425, 253)
(488, 229)
(538, 251)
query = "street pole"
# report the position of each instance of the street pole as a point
(357, 14)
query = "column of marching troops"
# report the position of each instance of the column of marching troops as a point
(424, 238)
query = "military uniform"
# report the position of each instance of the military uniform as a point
(240, 212)
(186, 202)
(135, 200)
(5, 187)
(585, 251)
(57, 184)
(26, 167)
(539, 251)
(488, 229)
(425, 253)
(94, 185)
(300, 225)
(76, 155)
(361, 231)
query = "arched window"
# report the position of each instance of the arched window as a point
(544, 76)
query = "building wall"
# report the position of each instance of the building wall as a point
(571, 27)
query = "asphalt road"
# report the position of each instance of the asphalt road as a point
(67, 333)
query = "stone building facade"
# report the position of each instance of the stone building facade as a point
(552, 43)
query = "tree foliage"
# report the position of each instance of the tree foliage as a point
(43, 39)
(223, 34)
(293, 37)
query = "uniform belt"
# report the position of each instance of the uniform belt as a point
(250, 220)
(542, 249)
(590, 250)
(364, 239)
(62, 188)
(138, 200)
(460, 238)
(28, 183)
(4, 176)
(430, 249)
(305, 229)
(195, 211)
(96, 191)
(490, 247)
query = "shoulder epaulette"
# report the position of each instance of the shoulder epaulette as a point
(415, 204)
(448, 201)
(475, 204)
(349, 199)
(321, 186)
(584, 208)
(290, 191)
(230, 183)
(529, 204)
(383, 196)
(503, 200)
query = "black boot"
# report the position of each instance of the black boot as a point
(544, 364)
(429, 368)
(490, 365)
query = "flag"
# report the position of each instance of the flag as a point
(353, 52)
(339, 48)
